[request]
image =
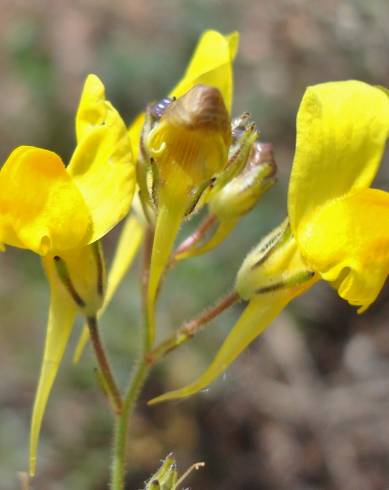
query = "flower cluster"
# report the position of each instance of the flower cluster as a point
(337, 228)
(186, 154)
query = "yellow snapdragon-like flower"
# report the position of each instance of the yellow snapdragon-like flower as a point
(211, 64)
(338, 228)
(193, 139)
(340, 225)
(60, 213)
(210, 67)
(187, 147)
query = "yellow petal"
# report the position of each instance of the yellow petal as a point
(342, 128)
(256, 317)
(128, 245)
(190, 143)
(211, 64)
(347, 242)
(384, 89)
(40, 206)
(134, 133)
(92, 108)
(61, 319)
(102, 165)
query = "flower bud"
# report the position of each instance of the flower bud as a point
(189, 144)
(241, 194)
(274, 264)
(166, 477)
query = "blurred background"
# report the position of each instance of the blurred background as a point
(306, 407)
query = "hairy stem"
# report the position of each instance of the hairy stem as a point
(142, 369)
(196, 236)
(189, 329)
(120, 446)
(146, 363)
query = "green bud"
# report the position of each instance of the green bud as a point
(241, 194)
(166, 477)
(273, 265)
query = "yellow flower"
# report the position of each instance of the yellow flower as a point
(339, 227)
(211, 65)
(190, 143)
(61, 212)
(188, 146)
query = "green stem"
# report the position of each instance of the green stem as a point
(150, 358)
(146, 363)
(142, 370)
(189, 329)
(104, 366)
(121, 426)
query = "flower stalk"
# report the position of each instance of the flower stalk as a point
(189, 329)
(141, 371)
(196, 236)
(120, 444)
(104, 366)
(146, 363)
